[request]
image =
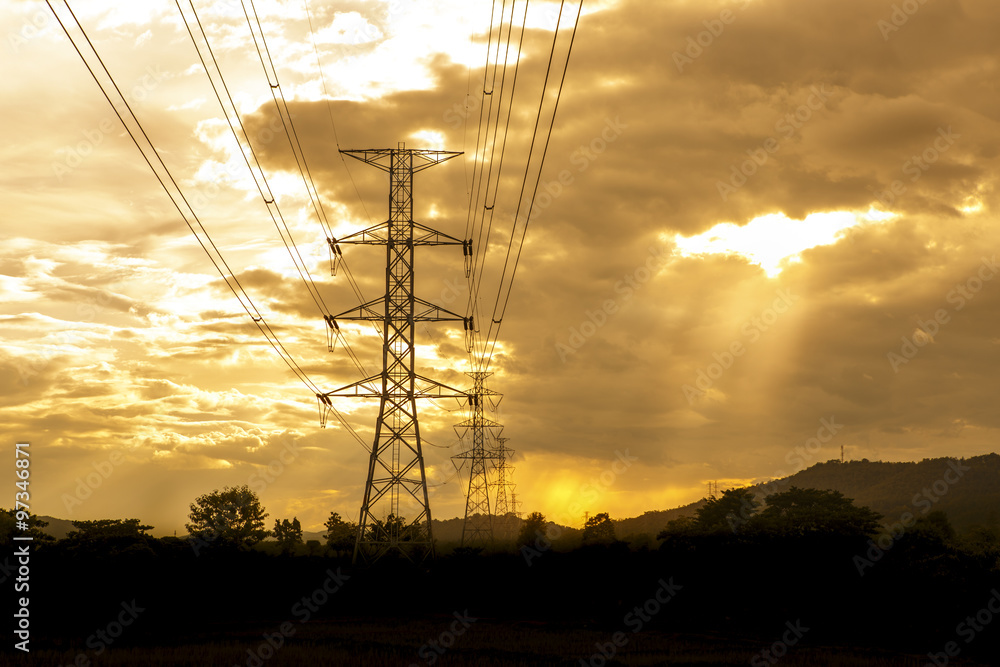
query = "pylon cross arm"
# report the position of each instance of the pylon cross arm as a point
(368, 388)
(374, 235)
(433, 237)
(435, 389)
(377, 157)
(364, 312)
(435, 313)
(479, 421)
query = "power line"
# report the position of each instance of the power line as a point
(494, 320)
(277, 93)
(163, 175)
(334, 249)
(477, 277)
(329, 108)
(289, 125)
(260, 180)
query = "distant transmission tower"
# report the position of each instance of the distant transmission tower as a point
(503, 454)
(396, 464)
(506, 505)
(478, 526)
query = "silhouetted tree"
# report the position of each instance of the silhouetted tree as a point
(728, 513)
(394, 527)
(934, 527)
(109, 537)
(108, 528)
(340, 534)
(983, 542)
(288, 534)
(8, 527)
(599, 529)
(802, 511)
(682, 526)
(534, 525)
(233, 516)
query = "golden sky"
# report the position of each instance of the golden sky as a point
(769, 232)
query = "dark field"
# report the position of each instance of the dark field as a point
(715, 599)
(487, 642)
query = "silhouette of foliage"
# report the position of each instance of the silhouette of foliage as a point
(728, 513)
(288, 534)
(233, 517)
(340, 534)
(801, 511)
(8, 523)
(395, 528)
(534, 525)
(599, 529)
(934, 527)
(109, 537)
(108, 528)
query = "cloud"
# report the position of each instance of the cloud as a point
(677, 120)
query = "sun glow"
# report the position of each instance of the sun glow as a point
(772, 241)
(429, 139)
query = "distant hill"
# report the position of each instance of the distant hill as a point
(450, 530)
(968, 497)
(57, 528)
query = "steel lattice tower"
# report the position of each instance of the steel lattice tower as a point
(504, 506)
(396, 463)
(478, 526)
(501, 508)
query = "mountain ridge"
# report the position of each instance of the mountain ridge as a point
(891, 488)
(966, 489)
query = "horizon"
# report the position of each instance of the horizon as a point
(766, 483)
(746, 253)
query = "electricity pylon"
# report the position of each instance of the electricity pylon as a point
(503, 507)
(478, 525)
(396, 464)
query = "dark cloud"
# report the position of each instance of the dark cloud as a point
(608, 323)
